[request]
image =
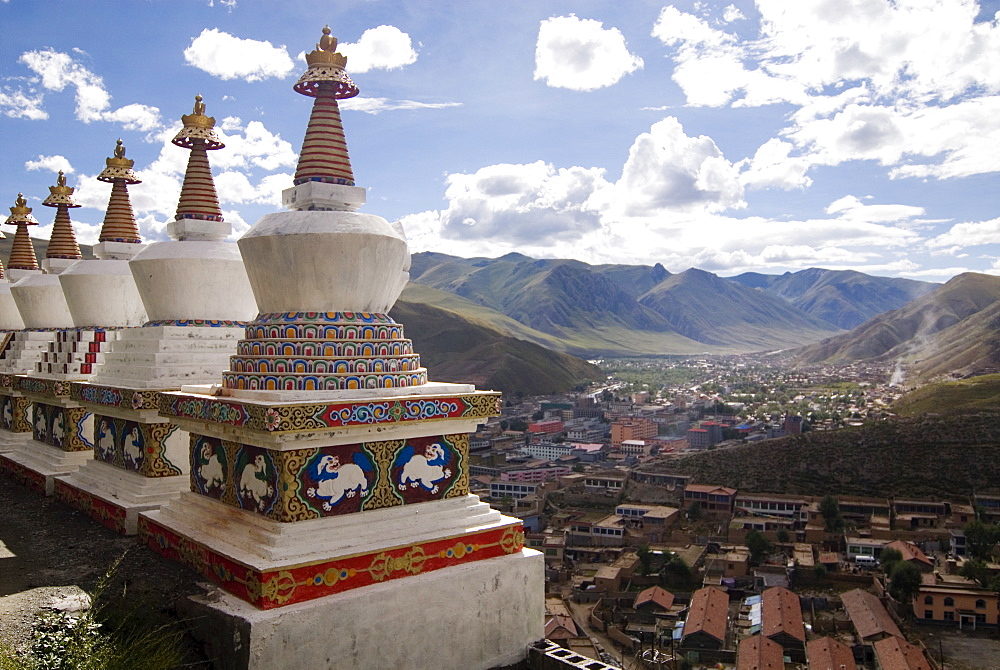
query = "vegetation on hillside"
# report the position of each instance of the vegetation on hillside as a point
(936, 458)
(966, 396)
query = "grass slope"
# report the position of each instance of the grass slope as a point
(967, 396)
(455, 348)
(932, 458)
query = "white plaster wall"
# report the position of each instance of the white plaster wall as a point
(41, 302)
(193, 280)
(10, 318)
(102, 293)
(325, 261)
(476, 616)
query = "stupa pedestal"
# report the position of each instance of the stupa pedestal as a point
(195, 292)
(329, 479)
(14, 420)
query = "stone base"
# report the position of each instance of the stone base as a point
(10, 441)
(475, 616)
(37, 464)
(273, 564)
(115, 497)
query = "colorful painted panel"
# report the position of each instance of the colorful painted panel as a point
(313, 483)
(60, 427)
(15, 414)
(134, 446)
(291, 418)
(44, 387)
(300, 583)
(111, 396)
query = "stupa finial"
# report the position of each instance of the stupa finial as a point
(63, 242)
(22, 253)
(119, 219)
(198, 126)
(21, 213)
(324, 156)
(198, 196)
(326, 66)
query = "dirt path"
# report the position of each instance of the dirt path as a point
(49, 551)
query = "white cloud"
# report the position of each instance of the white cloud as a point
(19, 104)
(378, 105)
(58, 70)
(851, 208)
(668, 171)
(773, 167)
(969, 234)
(228, 57)
(257, 146)
(380, 48)
(581, 54)
(909, 84)
(53, 163)
(732, 13)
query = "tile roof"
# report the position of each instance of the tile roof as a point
(782, 613)
(868, 615)
(708, 613)
(827, 653)
(909, 551)
(657, 595)
(710, 488)
(759, 653)
(895, 653)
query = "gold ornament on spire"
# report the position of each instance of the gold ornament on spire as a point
(21, 213)
(60, 194)
(326, 64)
(118, 167)
(198, 126)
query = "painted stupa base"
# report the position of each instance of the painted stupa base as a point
(15, 416)
(168, 355)
(324, 351)
(475, 616)
(74, 354)
(60, 434)
(140, 459)
(24, 350)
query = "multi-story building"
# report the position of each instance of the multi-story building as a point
(713, 500)
(955, 600)
(546, 427)
(632, 428)
(637, 448)
(774, 504)
(516, 490)
(548, 450)
(535, 473)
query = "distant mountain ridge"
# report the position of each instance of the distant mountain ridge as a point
(596, 310)
(951, 330)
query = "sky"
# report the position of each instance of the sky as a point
(766, 136)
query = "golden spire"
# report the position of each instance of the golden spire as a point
(62, 244)
(326, 64)
(119, 220)
(21, 213)
(198, 198)
(198, 126)
(22, 254)
(324, 156)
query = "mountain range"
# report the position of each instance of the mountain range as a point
(951, 330)
(598, 310)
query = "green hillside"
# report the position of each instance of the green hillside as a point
(458, 349)
(966, 396)
(934, 458)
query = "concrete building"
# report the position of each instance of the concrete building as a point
(633, 428)
(707, 621)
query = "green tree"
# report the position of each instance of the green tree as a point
(830, 510)
(889, 558)
(518, 424)
(504, 424)
(578, 467)
(758, 545)
(678, 571)
(905, 582)
(819, 570)
(980, 538)
(537, 416)
(694, 511)
(645, 559)
(782, 536)
(977, 571)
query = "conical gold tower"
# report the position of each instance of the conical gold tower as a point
(324, 154)
(119, 220)
(198, 197)
(22, 253)
(63, 243)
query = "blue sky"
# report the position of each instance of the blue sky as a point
(734, 136)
